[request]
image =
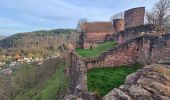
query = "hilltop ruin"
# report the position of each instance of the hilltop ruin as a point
(136, 43)
(98, 32)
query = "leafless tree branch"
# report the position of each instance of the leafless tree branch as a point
(160, 15)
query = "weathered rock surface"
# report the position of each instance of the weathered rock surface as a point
(82, 96)
(150, 83)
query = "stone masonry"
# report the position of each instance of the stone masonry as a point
(146, 49)
(118, 25)
(77, 75)
(98, 32)
(95, 33)
(134, 17)
(149, 83)
(134, 32)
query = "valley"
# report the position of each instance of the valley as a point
(120, 52)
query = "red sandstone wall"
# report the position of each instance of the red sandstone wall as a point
(92, 39)
(96, 37)
(161, 54)
(88, 45)
(134, 17)
(134, 32)
(118, 25)
(77, 75)
(144, 50)
(143, 54)
(125, 56)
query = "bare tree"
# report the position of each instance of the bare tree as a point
(81, 26)
(160, 15)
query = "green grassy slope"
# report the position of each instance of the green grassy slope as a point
(103, 80)
(96, 51)
(54, 88)
(51, 89)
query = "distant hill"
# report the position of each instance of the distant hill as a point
(37, 43)
(22, 38)
(2, 37)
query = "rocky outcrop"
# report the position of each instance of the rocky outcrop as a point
(82, 96)
(150, 83)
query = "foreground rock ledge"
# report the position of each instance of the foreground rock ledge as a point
(149, 83)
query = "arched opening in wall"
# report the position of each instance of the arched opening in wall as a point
(91, 47)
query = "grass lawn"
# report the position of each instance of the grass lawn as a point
(96, 51)
(103, 80)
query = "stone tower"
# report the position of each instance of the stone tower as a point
(118, 25)
(134, 17)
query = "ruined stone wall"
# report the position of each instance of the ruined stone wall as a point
(134, 17)
(132, 33)
(88, 45)
(157, 50)
(92, 39)
(161, 49)
(118, 25)
(143, 53)
(77, 75)
(96, 37)
(146, 49)
(123, 55)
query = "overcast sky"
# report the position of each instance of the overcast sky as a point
(29, 15)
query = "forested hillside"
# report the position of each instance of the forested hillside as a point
(35, 82)
(2, 37)
(38, 43)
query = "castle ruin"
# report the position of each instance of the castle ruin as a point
(135, 44)
(134, 17)
(98, 32)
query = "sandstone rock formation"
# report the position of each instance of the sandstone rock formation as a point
(150, 83)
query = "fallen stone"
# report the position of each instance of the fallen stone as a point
(139, 93)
